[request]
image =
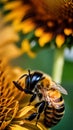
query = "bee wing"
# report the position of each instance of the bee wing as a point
(60, 88)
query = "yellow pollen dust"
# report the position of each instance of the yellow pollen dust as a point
(45, 38)
(60, 39)
(68, 31)
(54, 94)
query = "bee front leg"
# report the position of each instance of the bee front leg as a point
(17, 85)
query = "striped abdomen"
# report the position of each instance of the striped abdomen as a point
(54, 112)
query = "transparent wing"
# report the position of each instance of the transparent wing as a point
(60, 88)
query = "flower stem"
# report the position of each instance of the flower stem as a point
(58, 65)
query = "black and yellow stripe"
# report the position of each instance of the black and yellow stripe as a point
(54, 112)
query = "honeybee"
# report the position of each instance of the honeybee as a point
(50, 100)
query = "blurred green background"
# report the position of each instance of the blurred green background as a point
(44, 62)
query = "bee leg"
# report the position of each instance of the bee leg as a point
(40, 96)
(38, 116)
(22, 89)
(40, 109)
(31, 117)
(18, 85)
(27, 91)
(37, 104)
(32, 98)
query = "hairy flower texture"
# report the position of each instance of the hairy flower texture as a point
(13, 103)
(44, 22)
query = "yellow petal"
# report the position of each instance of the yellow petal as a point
(4, 124)
(25, 46)
(12, 5)
(16, 13)
(15, 109)
(45, 38)
(10, 51)
(68, 31)
(7, 35)
(28, 26)
(38, 32)
(60, 39)
(32, 126)
(17, 127)
(42, 127)
(4, 0)
(24, 111)
(31, 54)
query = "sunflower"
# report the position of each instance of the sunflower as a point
(13, 103)
(44, 23)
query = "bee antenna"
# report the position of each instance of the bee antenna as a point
(29, 72)
(21, 77)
